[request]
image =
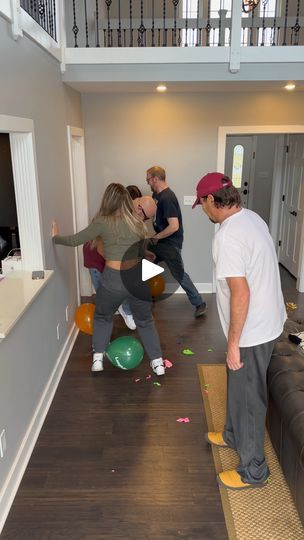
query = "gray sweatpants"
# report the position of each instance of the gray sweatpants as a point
(111, 293)
(246, 411)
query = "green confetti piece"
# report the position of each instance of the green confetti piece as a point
(210, 350)
(157, 383)
(206, 385)
(188, 352)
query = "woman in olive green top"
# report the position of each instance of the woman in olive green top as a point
(123, 234)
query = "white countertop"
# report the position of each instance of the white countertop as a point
(17, 292)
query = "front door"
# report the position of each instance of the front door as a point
(238, 164)
(293, 205)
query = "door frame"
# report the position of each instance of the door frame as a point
(79, 192)
(25, 174)
(275, 211)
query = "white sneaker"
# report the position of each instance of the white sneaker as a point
(97, 362)
(158, 366)
(127, 318)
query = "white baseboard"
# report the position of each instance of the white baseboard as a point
(201, 287)
(19, 465)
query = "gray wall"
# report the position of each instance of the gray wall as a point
(127, 133)
(31, 87)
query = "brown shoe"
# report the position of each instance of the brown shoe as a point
(232, 480)
(216, 438)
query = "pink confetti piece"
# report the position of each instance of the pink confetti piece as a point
(206, 392)
(167, 363)
(184, 420)
(137, 380)
(113, 470)
(148, 377)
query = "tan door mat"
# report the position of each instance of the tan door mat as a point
(263, 514)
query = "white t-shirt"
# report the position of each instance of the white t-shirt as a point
(243, 247)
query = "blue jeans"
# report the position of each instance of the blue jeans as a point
(96, 277)
(110, 295)
(172, 256)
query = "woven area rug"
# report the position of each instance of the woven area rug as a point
(262, 514)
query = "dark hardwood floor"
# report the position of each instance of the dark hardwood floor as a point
(111, 462)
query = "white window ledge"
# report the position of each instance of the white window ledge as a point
(17, 292)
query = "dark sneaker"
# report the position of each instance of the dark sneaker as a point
(200, 310)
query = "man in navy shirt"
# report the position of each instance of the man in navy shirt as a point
(167, 242)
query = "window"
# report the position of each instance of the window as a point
(237, 165)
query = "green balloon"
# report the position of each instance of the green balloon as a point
(125, 352)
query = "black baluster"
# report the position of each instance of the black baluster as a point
(208, 25)
(175, 4)
(41, 11)
(296, 27)
(285, 23)
(86, 23)
(119, 25)
(108, 4)
(274, 28)
(141, 29)
(220, 25)
(263, 22)
(131, 25)
(164, 25)
(97, 24)
(55, 29)
(186, 26)
(197, 24)
(251, 29)
(75, 28)
(153, 26)
(51, 19)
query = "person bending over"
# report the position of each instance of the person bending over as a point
(122, 231)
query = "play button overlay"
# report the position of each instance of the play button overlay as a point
(149, 270)
(150, 275)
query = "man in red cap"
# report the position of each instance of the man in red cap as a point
(252, 314)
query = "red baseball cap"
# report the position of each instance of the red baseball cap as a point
(209, 184)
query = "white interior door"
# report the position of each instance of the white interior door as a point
(239, 164)
(80, 203)
(293, 205)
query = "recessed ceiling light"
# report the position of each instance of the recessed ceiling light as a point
(290, 86)
(161, 88)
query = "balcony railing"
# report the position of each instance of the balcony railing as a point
(44, 13)
(171, 23)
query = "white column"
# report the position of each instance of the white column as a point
(235, 44)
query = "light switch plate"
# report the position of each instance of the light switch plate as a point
(189, 200)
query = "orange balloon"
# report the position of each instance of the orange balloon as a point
(84, 318)
(156, 285)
